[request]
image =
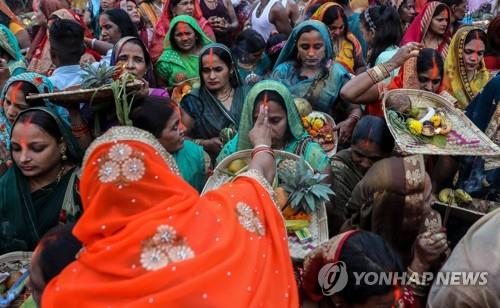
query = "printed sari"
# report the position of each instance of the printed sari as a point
(9, 44)
(175, 66)
(43, 85)
(322, 92)
(420, 25)
(150, 11)
(26, 216)
(41, 61)
(350, 53)
(207, 111)
(150, 239)
(163, 26)
(394, 200)
(455, 73)
(300, 142)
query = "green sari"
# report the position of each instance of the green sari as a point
(191, 162)
(300, 143)
(9, 44)
(209, 114)
(26, 216)
(172, 64)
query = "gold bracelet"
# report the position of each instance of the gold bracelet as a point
(373, 75)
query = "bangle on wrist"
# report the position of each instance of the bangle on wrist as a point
(355, 117)
(92, 43)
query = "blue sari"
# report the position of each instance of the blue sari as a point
(322, 92)
(480, 176)
(9, 44)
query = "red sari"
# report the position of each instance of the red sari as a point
(151, 241)
(420, 25)
(161, 28)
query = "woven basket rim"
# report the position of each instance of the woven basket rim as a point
(465, 124)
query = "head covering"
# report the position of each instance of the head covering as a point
(350, 49)
(9, 43)
(328, 252)
(171, 58)
(117, 49)
(235, 75)
(38, 55)
(25, 215)
(478, 251)
(393, 199)
(455, 72)
(246, 122)
(163, 27)
(43, 85)
(150, 239)
(420, 25)
(289, 52)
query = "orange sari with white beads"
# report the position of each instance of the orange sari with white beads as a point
(150, 240)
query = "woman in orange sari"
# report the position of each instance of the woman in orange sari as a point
(171, 9)
(150, 239)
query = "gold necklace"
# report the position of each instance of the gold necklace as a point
(226, 96)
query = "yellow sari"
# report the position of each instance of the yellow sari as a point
(455, 75)
(349, 49)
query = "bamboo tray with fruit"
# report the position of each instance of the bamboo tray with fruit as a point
(422, 122)
(96, 87)
(298, 192)
(319, 125)
(14, 273)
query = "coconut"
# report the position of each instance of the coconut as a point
(428, 129)
(303, 106)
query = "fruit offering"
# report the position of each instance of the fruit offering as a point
(318, 126)
(428, 122)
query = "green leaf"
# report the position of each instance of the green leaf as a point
(311, 205)
(439, 141)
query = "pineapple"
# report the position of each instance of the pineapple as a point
(303, 186)
(95, 77)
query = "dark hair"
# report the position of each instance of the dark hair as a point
(332, 14)
(248, 41)
(271, 96)
(172, 4)
(440, 8)
(152, 114)
(4, 19)
(274, 52)
(493, 37)
(172, 35)
(28, 88)
(122, 20)
(388, 30)
(374, 129)
(66, 41)
(47, 123)
(226, 58)
(57, 249)
(474, 34)
(426, 58)
(367, 252)
(43, 120)
(344, 3)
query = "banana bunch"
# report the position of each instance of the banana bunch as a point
(458, 196)
(295, 225)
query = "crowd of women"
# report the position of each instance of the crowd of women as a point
(114, 213)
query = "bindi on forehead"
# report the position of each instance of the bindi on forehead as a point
(266, 100)
(445, 13)
(182, 27)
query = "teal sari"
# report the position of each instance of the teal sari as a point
(43, 85)
(300, 143)
(9, 44)
(323, 90)
(26, 216)
(191, 162)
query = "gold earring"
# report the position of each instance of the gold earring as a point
(63, 155)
